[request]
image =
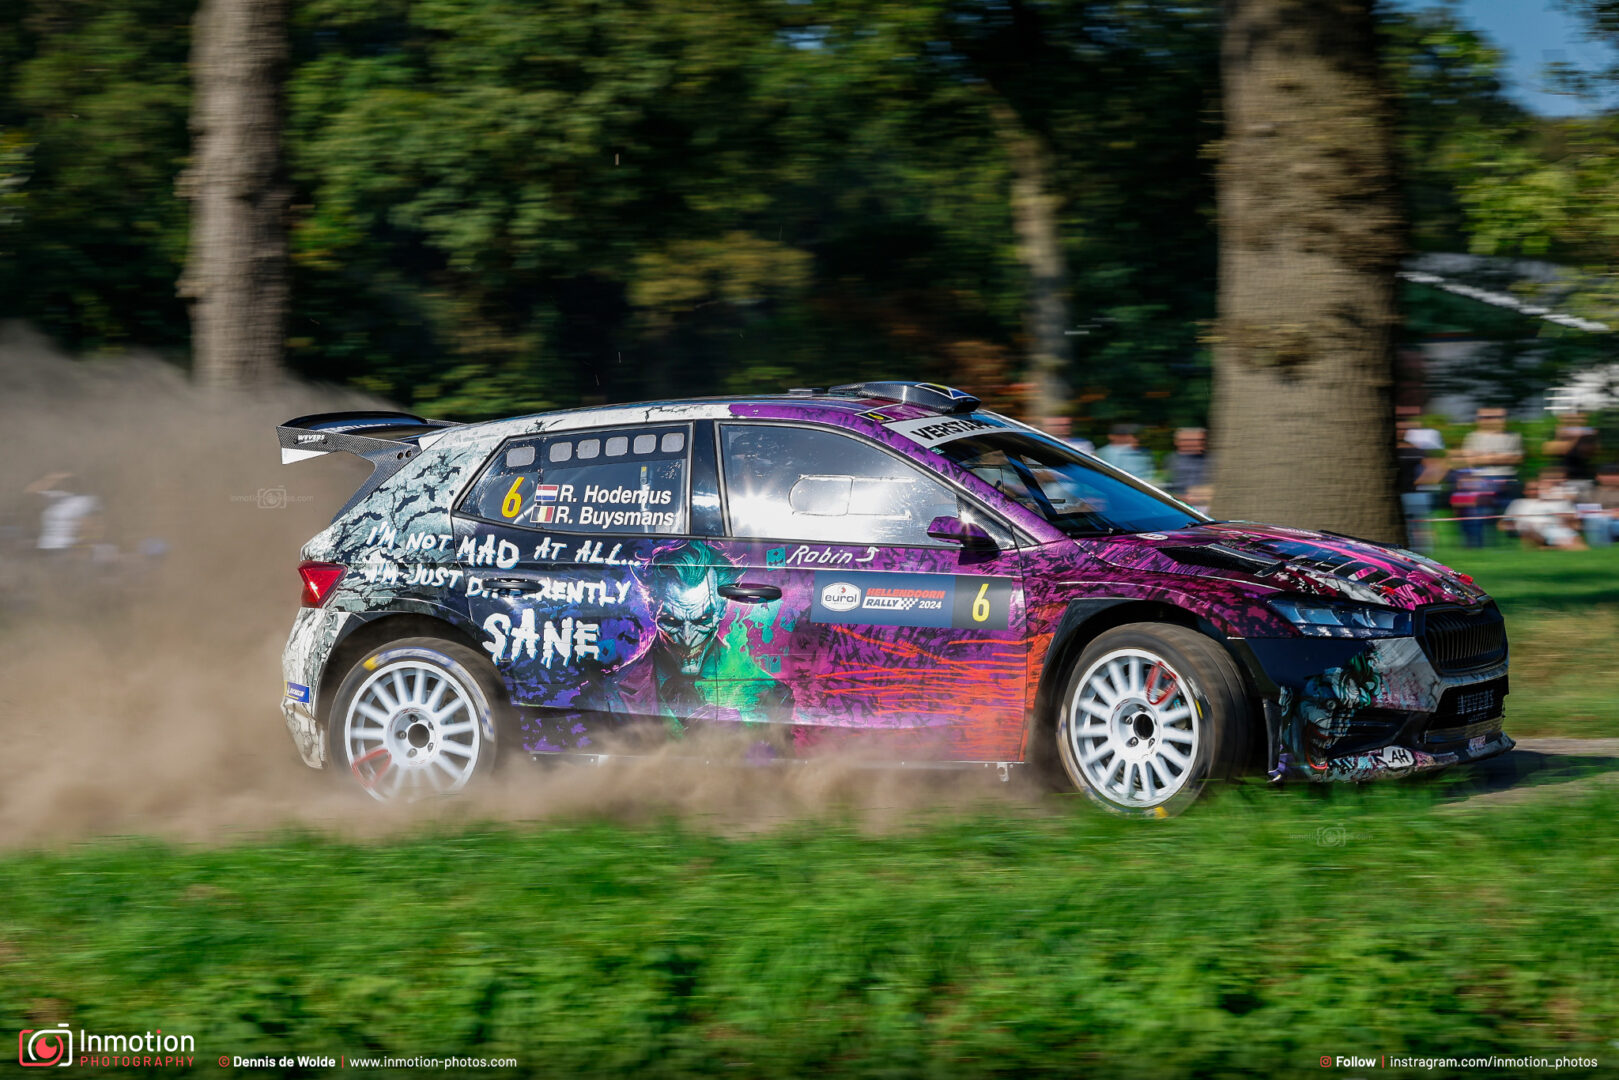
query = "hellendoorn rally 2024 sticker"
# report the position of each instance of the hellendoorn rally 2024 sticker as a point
(983, 603)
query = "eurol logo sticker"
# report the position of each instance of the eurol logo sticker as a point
(882, 598)
(298, 692)
(840, 596)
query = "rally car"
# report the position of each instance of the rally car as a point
(884, 565)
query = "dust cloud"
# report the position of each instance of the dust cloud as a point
(139, 687)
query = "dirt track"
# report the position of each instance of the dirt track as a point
(1542, 768)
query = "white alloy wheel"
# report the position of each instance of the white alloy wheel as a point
(412, 730)
(1133, 729)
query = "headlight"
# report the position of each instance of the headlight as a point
(1327, 618)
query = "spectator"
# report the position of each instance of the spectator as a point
(1490, 449)
(1188, 467)
(1123, 451)
(1491, 455)
(1543, 522)
(1555, 484)
(1471, 497)
(1426, 438)
(1574, 445)
(1602, 525)
(68, 520)
(1415, 499)
(1410, 457)
(1200, 498)
(1061, 427)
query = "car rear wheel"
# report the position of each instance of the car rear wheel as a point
(415, 718)
(1152, 712)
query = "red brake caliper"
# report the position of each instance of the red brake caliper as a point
(1155, 695)
(372, 782)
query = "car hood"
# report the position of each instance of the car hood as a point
(1296, 561)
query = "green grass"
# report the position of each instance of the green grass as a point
(1534, 581)
(1255, 934)
(1562, 611)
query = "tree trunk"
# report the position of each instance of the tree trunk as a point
(236, 270)
(1310, 239)
(1034, 215)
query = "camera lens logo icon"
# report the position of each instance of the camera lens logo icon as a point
(40, 1047)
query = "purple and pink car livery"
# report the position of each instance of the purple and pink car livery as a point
(883, 566)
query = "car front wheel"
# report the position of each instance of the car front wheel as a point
(415, 718)
(1152, 712)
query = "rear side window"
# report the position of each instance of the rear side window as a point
(787, 483)
(629, 481)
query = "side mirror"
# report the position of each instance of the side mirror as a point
(956, 531)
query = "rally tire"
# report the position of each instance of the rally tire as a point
(417, 718)
(1151, 714)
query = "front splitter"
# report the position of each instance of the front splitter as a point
(1388, 762)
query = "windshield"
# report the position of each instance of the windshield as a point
(1079, 495)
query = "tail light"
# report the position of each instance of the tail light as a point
(320, 578)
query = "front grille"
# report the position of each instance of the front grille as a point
(1457, 639)
(1465, 713)
(1367, 729)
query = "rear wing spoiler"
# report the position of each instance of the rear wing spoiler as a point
(388, 440)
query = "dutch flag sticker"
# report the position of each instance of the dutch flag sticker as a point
(545, 503)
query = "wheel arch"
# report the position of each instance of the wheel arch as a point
(1084, 622)
(371, 632)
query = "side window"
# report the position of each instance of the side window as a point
(628, 481)
(787, 483)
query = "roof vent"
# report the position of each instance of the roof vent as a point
(945, 399)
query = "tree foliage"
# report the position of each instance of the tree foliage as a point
(94, 105)
(500, 205)
(1447, 85)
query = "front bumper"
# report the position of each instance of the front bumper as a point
(1390, 761)
(1343, 710)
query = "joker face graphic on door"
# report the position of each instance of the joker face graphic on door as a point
(701, 664)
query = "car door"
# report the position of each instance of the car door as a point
(880, 627)
(556, 539)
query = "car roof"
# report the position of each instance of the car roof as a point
(719, 404)
(887, 400)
